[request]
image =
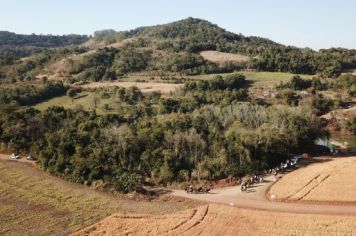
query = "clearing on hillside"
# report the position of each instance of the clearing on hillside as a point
(222, 220)
(221, 57)
(164, 88)
(327, 180)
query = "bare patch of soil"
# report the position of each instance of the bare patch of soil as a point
(221, 57)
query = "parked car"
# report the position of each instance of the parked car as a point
(14, 156)
(30, 158)
(294, 160)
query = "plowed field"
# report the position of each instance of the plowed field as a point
(223, 220)
(328, 180)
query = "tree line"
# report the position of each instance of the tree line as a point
(26, 95)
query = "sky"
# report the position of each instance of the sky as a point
(302, 23)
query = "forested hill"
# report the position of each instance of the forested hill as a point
(193, 35)
(192, 28)
(190, 34)
(9, 39)
(174, 48)
(14, 46)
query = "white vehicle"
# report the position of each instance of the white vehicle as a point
(14, 156)
(30, 158)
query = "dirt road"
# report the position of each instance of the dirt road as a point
(256, 199)
(263, 217)
(6, 157)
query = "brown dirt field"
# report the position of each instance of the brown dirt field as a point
(223, 220)
(164, 88)
(221, 57)
(331, 180)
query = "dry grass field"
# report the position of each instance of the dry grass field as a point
(223, 220)
(35, 203)
(328, 180)
(221, 57)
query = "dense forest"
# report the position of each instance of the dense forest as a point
(25, 95)
(208, 130)
(9, 39)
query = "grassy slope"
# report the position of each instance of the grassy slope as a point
(34, 203)
(257, 79)
(265, 77)
(85, 100)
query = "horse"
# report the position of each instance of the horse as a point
(243, 187)
(189, 189)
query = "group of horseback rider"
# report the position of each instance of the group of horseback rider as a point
(251, 181)
(193, 189)
(255, 179)
(259, 178)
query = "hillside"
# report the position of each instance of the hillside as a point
(186, 28)
(14, 46)
(176, 48)
(190, 34)
(151, 106)
(9, 39)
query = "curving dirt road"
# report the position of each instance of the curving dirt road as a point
(256, 199)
